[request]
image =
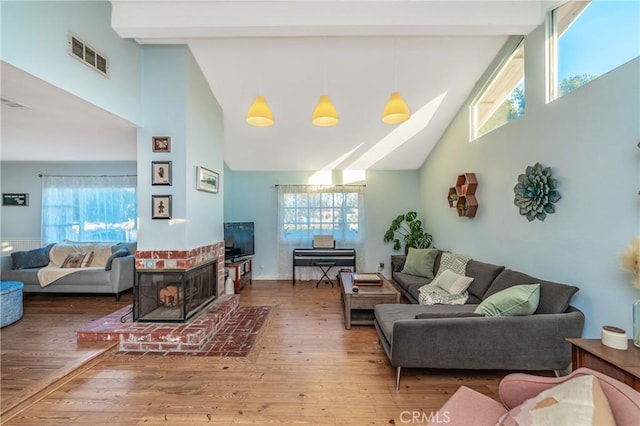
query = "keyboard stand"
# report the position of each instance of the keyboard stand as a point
(325, 267)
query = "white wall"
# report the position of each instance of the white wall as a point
(588, 138)
(34, 39)
(252, 197)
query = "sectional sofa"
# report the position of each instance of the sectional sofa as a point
(112, 273)
(455, 337)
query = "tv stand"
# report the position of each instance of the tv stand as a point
(240, 272)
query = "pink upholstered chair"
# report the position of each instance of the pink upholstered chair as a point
(468, 407)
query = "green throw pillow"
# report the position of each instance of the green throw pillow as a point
(420, 262)
(517, 300)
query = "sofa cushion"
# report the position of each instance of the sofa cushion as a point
(420, 262)
(410, 283)
(512, 301)
(387, 314)
(554, 297)
(60, 251)
(452, 282)
(579, 400)
(454, 262)
(431, 294)
(483, 275)
(77, 260)
(36, 258)
(118, 253)
(131, 247)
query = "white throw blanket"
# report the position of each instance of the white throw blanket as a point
(59, 252)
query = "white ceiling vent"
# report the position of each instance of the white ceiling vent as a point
(88, 55)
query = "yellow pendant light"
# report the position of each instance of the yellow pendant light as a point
(396, 111)
(259, 113)
(324, 114)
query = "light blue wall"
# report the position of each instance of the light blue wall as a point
(252, 196)
(22, 177)
(35, 39)
(178, 103)
(589, 139)
(205, 137)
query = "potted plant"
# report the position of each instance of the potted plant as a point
(408, 228)
(462, 206)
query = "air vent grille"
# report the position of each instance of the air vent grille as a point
(88, 55)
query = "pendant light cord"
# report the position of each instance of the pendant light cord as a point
(324, 67)
(395, 65)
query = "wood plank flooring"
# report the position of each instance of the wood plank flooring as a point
(305, 369)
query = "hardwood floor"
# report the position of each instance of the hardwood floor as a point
(305, 369)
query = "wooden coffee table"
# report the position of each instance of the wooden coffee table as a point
(358, 307)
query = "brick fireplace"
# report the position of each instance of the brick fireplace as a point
(174, 295)
(173, 285)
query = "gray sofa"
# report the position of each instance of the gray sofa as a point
(118, 279)
(453, 337)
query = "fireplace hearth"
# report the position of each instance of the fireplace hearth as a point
(174, 295)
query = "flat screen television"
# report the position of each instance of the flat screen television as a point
(238, 240)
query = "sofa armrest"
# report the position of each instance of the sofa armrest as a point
(397, 263)
(532, 342)
(468, 407)
(6, 263)
(122, 273)
(516, 388)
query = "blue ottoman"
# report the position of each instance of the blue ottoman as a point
(10, 302)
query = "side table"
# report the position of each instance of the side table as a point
(619, 364)
(240, 272)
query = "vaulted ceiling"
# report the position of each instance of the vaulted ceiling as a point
(358, 52)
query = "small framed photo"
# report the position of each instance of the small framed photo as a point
(161, 173)
(161, 207)
(207, 180)
(161, 143)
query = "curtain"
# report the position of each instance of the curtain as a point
(308, 210)
(89, 208)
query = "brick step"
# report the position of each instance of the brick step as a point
(191, 336)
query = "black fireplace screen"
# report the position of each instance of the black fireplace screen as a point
(173, 296)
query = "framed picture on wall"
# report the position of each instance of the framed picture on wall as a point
(15, 199)
(161, 143)
(161, 173)
(207, 180)
(161, 207)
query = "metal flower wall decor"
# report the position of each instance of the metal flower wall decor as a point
(536, 192)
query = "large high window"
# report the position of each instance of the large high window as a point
(588, 39)
(502, 99)
(89, 208)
